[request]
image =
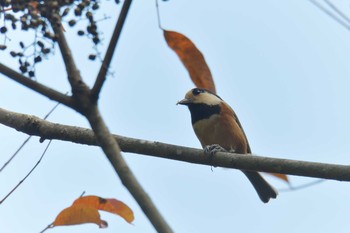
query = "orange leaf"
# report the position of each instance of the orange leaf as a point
(34, 5)
(110, 205)
(280, 176)
(192, 58)
(78, 214)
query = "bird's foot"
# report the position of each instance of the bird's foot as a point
(213, 149)
(232, 150)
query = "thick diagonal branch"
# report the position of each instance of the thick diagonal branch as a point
(101, 77)
(35, 126)
(88, 107)
(111, 148)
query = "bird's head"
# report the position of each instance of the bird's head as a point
(200, 96)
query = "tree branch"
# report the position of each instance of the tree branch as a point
(88, 107)
(101, 77)
(35, 126)
(79, 88)
(111, 148)
(35, 86)
(82, 102)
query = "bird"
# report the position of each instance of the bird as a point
(218, 129)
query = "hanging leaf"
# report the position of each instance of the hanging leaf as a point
(78, 214)
(85, 210)
(107, 204)
(198, 69)
(192, 58)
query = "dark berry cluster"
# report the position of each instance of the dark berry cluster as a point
(86, 8)
(40, 15)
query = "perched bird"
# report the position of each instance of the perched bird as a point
(218, 129)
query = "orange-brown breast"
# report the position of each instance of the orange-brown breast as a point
(223, 129)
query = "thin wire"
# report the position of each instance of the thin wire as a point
(37, 163)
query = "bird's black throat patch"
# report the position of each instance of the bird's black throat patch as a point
(202, 111)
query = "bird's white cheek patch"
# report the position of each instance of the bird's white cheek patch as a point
(208, 99)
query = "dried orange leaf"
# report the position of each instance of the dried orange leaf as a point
(280, 176)
(110, 205)
(78, 214)
(192, 58)
(34, 5)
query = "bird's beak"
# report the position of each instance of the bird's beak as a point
(185, 102)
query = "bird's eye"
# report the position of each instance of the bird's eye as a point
(197, 91)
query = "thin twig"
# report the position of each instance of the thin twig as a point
(27, 139)
(101, 77)
(35, 86)
(331, 5)
(27, 174)
(82, 194)
(158, 16)
(16, 152)
(52, 110)
(330, 14)
(303, 186)
(46, 228)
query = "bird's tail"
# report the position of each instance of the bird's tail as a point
(264, 189)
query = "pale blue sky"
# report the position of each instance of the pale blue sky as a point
(282, 65)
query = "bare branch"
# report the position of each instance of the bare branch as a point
(35, 86)
(88, 107)
(74, 77)
(101, 77)
(111, 148)
(34, 126)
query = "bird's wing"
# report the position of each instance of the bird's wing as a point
(240, 126)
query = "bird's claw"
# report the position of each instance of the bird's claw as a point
(213, 149)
